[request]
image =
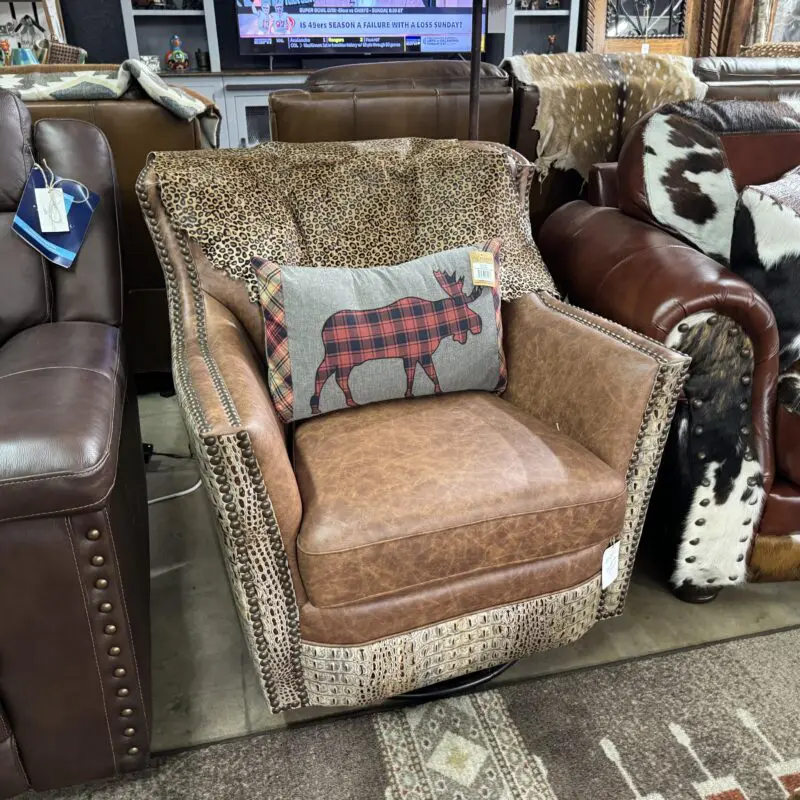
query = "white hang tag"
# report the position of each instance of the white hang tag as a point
(482, 263)
(610, 570)
(645, 48)
(52, 211)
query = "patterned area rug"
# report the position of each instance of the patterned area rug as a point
(716, 723)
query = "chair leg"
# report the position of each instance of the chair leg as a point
(454, 686)
(690, 593)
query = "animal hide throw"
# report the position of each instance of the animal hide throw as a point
(589, 102)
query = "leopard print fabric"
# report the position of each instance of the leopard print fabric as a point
(353, 204)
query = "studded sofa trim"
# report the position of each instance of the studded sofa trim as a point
(294, 673)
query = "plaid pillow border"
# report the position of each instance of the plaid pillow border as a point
(276, 339)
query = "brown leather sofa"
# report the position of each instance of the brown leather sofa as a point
(763, 78)
(353, 581)
(133, 129)
(619, 258)
(74, 577)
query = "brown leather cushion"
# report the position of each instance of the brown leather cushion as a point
(407, 492)
(727, 69)
(61, 390)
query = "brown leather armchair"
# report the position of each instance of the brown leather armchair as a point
(727, 499)
(365, 560)
(74, 631)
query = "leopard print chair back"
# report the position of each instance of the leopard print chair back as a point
(348, 204)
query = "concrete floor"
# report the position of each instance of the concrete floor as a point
(204, 686)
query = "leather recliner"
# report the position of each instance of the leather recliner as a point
(616, 257)
(74, 576)
(366, 556)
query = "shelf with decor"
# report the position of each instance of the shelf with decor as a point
(150, 27)
(541, 29)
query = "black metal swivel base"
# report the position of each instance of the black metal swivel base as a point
(454, 686)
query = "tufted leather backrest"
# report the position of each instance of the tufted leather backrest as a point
(682, 167)
(24, 279)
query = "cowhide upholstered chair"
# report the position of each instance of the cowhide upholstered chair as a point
(653, 251)
(378, 549)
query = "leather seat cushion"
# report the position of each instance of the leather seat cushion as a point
(404, 493)
(62, 387)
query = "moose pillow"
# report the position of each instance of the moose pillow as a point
(346, 337)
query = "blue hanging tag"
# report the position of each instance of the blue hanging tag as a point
(54, 215)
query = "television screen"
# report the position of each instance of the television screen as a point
(356, 27)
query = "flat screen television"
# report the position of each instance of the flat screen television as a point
(354, 27)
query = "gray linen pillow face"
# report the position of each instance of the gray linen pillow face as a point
(338, 337)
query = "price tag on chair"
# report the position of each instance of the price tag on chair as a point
(610, 570)
(54, 215)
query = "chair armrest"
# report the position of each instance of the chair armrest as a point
(647, 280)
(240, 448)
(611, 390)
(603, 188)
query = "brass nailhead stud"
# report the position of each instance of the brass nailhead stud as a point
(705, 502)
(98, 561)
(133, 751)
(711, 580)
(699, 430)
(745, 380)
(114, 651)
(745, 430)
(697, 402)
(747, 522)
(93, 534)
(743, 405)
(694, 541)
(110, 629)
(120, 672)
(106, 607)
(712, 320)
(743, 539)
(731, 578)
(740, 558)
(700, 521)
(705, 482)
(101, 583)
(123, 692)
(701, 456)
(683, 327)
(129, 731)
(126, 712)
(691, 560)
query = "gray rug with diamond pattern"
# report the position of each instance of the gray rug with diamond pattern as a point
(720, 722)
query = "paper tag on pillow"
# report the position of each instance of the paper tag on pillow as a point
(610, 565)
(482, 263)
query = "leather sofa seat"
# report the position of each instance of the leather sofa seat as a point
(476, 484)
(61, 391)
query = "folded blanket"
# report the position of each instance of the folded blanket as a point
(588, 102)
(104, 82)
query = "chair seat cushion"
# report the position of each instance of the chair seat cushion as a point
(407, 492)
(62, 387)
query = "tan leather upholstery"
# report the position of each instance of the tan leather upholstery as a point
(395, 545)
(387, 100)
(404, 493)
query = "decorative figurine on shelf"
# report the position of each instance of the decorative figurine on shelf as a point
(551, 44)
(177, 59)
(5, 53)
(203, 60)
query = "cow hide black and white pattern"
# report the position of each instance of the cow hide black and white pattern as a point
(766, 252)
(717, 498)
(690, 188)
(689, 185)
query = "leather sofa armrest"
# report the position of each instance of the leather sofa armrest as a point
(603, 187)
(649, 281)
(13, 779)
(609, 389)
